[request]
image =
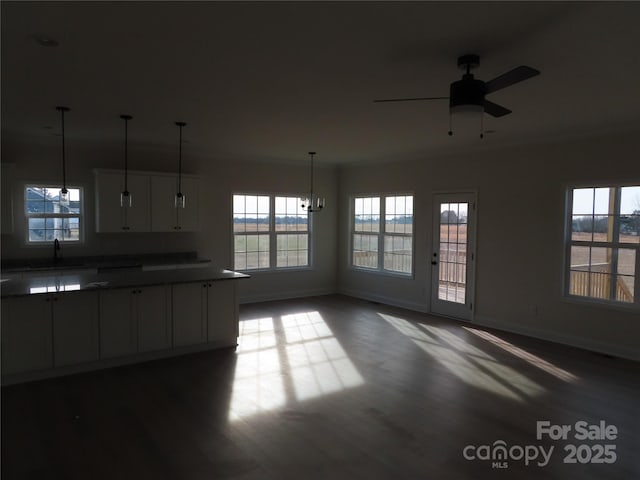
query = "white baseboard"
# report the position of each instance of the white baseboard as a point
(579, 342)
(417, 307)
(284, 295)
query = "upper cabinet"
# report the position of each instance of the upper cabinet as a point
(111, 215)
(165, 216)
(152, 207)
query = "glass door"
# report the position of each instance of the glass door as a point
(453, 256)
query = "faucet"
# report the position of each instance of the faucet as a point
(56, 249)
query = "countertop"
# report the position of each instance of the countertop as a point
(67, 281)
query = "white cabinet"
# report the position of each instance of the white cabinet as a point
(222, 313)
(26, 334)
(134, 320)
(165, 217)
(189, 314)
(117, 323)
(111, 216)
(154, 318)
(75, 328)
(45, 331)
(205, 312)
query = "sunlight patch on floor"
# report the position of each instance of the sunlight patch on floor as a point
(287, 359)
(467, 362)
(257, 386)
(524, 355)
(317, 362)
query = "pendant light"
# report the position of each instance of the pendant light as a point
(312, 203)
(125, 196)
(180, 200)
(63, 198)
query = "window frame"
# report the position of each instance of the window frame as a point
(381, 233)
(80, 215)
(615, 245)
(273, 235)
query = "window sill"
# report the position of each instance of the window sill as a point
(593, 302)
(384, 273)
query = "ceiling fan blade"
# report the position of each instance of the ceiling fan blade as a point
(516, 75)
(409, 99)
(495, 109)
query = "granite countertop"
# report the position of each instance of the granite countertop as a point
(61, 281)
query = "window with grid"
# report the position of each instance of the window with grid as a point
(603, 242)
(292, 233)
(383, 241)
(47, 219)
(270, 232)
(251, 231)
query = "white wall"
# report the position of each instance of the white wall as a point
(520, 226)
(520, 235)
(219, 180)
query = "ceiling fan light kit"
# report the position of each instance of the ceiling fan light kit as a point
(467, 96)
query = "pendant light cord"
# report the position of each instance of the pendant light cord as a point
(126, 160)
(180, 163)
(311, 182)
(64, 163)
(180, 124)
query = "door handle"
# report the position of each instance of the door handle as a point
(433, 262)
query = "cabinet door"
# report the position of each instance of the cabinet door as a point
(117, 323)
(189, 314)
(109, 213)
(222, 313)
(138, 216)
(154, 320)
(75, 328)
(111, 216)
(26, 334)
(188, 217)
(163, 211)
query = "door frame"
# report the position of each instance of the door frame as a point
(466, 311)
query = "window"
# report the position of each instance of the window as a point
(47, 219)
(603, 242)
(383, 241)
(269, 231)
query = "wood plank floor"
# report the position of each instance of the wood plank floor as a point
(327, 388)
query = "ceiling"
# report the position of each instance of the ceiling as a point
(271, 81)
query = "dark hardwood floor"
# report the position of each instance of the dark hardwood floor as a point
(329, 388)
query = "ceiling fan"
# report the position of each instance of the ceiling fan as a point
(469, 93)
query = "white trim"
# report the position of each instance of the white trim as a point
(416, 307)
(273, 235)
(570, 340)
(81, 216)
(380, 234)
(244, 299)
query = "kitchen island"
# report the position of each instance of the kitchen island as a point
(69, 321)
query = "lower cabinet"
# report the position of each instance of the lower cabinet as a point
(134, 320)
(26, 334)
(222, 313)
(205, 312)
(53, 330)
(189, 314)
(75, 328)
(154, 318)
